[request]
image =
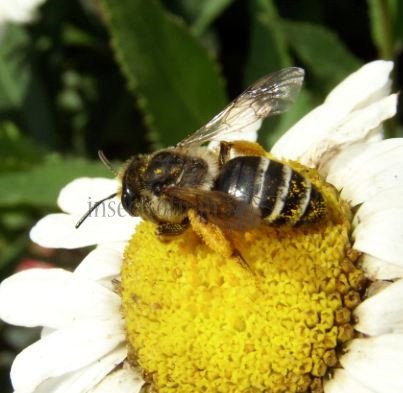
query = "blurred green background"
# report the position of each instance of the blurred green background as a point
(131, 76)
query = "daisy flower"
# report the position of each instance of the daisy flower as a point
(319, 310)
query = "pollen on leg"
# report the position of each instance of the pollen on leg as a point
(211, 234)
(200, 322)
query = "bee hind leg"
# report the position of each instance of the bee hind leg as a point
(224, 154)
(244, 148)
(242, 261)
(210, 233)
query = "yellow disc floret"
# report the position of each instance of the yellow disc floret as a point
(200, 322)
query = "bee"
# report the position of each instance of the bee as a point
(235, 186)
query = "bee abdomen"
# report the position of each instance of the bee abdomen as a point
(238, 178)
(282, 195)
(289, 197)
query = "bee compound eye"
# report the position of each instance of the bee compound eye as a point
(128, 201)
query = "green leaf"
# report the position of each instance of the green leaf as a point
(386, 19)
(15, 72)
(381, 17)
(74, 35)
(398, 17)
(268, 48)
(41, 185)
(17, 152)
(208, 11)
(15, 219)
(320, 49)
(268, 52)
(176, 81)
(36, 116)
(198, 14)
(22, 92)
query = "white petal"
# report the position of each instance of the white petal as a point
(376, 362)
(121, 381)
(376, 287)
(332, 125)
(376, 269)
(18, 11)
(342, 382)
(337, 169)
(364, 86)
(383, 312)
(384, 171)
(383, 200)
(46, 331)
(79, 195)
(59, 231)
(86, 378)
(54, 298)
(64, 351)
(376, 135)
(359, 125)
(381, 235)
(333, 131)
(103, 262)
(313, 127)
(356, 156)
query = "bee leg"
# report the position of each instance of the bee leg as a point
(215, 238)
(225, 148)
(242, 261)
(211, 234)
(244, 148)
(168, 229)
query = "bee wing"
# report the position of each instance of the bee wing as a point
(218, 207)
(272, 94)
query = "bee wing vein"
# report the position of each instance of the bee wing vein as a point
(270, 95)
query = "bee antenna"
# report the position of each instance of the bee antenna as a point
(106, 162)
(91, 209)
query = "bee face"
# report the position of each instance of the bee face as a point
(144, 181)
(133, 184)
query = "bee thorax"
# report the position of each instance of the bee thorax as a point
(182, 168)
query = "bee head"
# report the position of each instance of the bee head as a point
(133, 184)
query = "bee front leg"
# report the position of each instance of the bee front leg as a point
(168, 229)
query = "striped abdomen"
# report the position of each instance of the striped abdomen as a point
(281, 194)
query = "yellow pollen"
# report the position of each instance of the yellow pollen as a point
(200, 322)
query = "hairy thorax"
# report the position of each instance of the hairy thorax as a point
(176, 168)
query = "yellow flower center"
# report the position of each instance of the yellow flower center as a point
(199, 322)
